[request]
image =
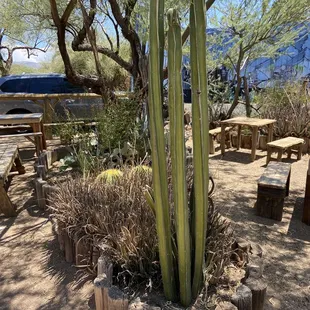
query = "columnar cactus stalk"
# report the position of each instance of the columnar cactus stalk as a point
(200, 135)
(158, 199)
(159, 164)
(177, 143)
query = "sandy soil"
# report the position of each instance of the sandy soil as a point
(35, 276)
(286, 244)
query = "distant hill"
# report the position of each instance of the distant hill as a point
(30, 64)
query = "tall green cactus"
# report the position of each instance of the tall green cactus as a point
(200, 134)
(177, 143)
(188, 285)
(159, 165)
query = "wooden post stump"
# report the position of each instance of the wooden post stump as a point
(226, 306)
(306, 210)
(69, 248)
(39, 191)
(117, 300)
(258, 288)
(61, 235)
(106, 267)
(101, 287)
(243, 298)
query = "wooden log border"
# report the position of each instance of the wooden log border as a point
(251, 294)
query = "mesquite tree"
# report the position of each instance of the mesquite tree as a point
(189, 246)
(250, 29)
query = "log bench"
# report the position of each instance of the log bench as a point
(212, 136)
(286, 144)
(273, 187)
(9, 161)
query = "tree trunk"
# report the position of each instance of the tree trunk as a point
(247, 97)
(238, 86)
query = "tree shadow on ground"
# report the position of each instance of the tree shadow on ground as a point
(236, 156)
(67, 279)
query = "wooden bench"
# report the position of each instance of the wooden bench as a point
(212, 136)
(9, 161)
(285, 144)
(273, 187)
(37, 141)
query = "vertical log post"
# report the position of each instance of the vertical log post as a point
(61, 235)
(226, 306)
(258, 288)
(306, 211)
(39, 191)
(101, 287)
(117, 300)
(69, 249)
(243, 298)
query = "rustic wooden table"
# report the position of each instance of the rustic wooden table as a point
(9, 161)
(253, 123)
(34, 120)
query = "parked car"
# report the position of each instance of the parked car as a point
(46, 84)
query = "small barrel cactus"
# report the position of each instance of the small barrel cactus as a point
(109, 176)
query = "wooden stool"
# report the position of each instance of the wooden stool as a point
(273, 187)
(212, 136)
(285, 144)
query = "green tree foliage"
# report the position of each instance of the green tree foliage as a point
(252, 29)
(20, 29)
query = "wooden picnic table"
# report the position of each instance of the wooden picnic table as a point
(254, 124)
(34, 120)
(9, 161)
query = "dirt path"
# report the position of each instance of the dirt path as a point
(34, 275)
(33, 272)
(286, 244)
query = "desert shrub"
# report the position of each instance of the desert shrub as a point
(118, 124)
(289, 105)
(113, 216)
(116, 218)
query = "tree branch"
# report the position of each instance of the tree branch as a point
(186, 32)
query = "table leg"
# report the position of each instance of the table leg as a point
(223, 135)
(239, 137)
(299, 152)
(43, 135)
(254, 142)
(270, 132)
(36, 127)
(280, 153)
(289, 153)
(6, 205)
(269, 151)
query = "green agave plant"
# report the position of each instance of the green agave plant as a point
(189, 246)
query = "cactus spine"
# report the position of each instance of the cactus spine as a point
(177, 142)
(160, 183)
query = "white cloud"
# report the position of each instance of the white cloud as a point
(21, 55)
